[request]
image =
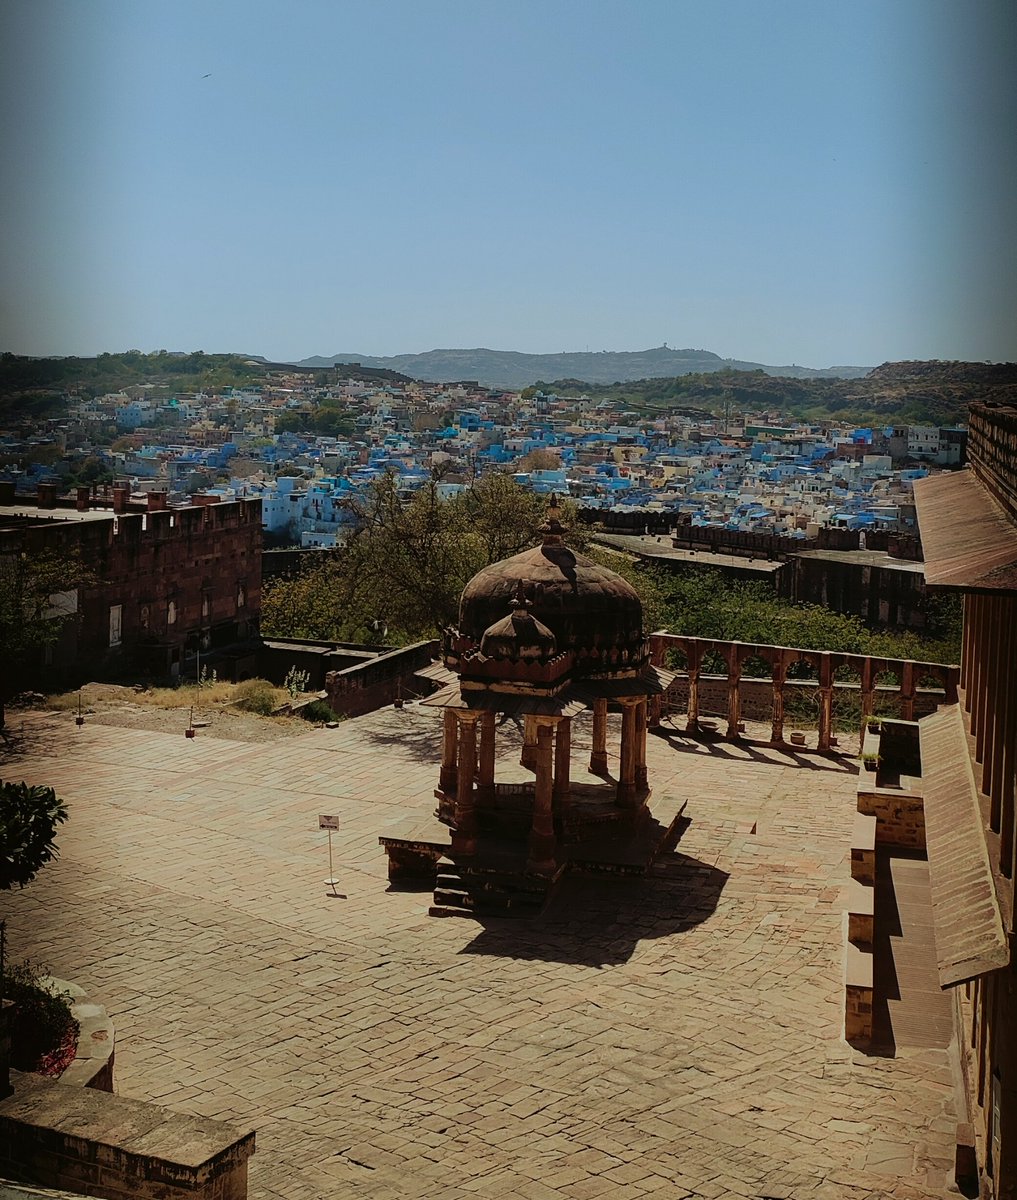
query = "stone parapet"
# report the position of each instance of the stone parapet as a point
(92, 1143)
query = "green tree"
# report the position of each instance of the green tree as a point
(36, 601)
(408, 562)
(28, 820)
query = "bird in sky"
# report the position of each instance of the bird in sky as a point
(208, 76)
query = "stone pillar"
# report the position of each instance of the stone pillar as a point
(777, 711)
(464, 840)
(485, 777)
(562, 756)
(1005, 771)
(907, 692)
(968, 629)
(695, 658)
(528, 758)
(990, 707)
(866, 691)
(598, 757)
(541, 857)
(825, 701)
(734, 675)
(6, 1014)
(641, 776)
(449, 750)
(627, 774)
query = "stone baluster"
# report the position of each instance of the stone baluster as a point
(866, 693)
(907, 692)
(780, 666)
(695, 661)
(734, 675)
(825, 701)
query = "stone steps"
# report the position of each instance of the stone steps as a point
(465, 892)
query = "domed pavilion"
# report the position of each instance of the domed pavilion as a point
(542, 637)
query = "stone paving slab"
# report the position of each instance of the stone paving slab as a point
(676, 1036)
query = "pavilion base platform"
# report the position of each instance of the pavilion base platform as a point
(495, 879)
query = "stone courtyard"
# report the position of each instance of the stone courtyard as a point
(673, 1036)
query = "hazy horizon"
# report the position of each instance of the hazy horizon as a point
(809, 183)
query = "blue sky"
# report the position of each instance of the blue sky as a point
(810, 182)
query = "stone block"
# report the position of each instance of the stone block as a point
(89, 1141)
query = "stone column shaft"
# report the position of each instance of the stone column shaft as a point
(528, 758)
(449, 750)
(627, 774)
(541, 859)
(641, 723)
(598, 757)
(465, 836)
(485, 776)
(562, 756)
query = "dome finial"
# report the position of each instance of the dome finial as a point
(519, 604)
(552, 528)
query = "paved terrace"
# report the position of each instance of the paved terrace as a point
(672, 1037)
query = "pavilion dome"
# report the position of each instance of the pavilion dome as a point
(589, 609)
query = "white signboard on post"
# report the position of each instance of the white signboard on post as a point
(329, 823)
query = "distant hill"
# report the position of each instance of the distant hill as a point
(513, 369)
(909, 393)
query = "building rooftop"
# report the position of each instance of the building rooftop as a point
(649, 547)
(14, 515)
(673, 1036)
(864, 558)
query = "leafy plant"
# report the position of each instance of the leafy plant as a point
(296, 681)
(28, 820)
(257, 696)
(42, 1023)
(319, 711)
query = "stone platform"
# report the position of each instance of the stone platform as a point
(675, 1035)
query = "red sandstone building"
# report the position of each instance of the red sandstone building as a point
(968, 523)
(160, 585)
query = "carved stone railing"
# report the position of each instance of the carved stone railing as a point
(864, 673)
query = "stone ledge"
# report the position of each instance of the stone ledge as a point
(67, 1136)
(92, 1066)
(863, 849)
(861, 903)
(857, 991)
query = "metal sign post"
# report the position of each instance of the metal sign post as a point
(331, 824)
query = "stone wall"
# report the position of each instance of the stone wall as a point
(756, 697)
(276, 656)
(900, 816)
(95, 1144)
(378, 681)
(184, 578)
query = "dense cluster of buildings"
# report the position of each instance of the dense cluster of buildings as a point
(755, 473)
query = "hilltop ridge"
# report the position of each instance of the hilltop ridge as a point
(516, 369)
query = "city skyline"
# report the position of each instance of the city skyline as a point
(807, 183)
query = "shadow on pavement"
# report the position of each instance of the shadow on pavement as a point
(761, 752)
(598, 920)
